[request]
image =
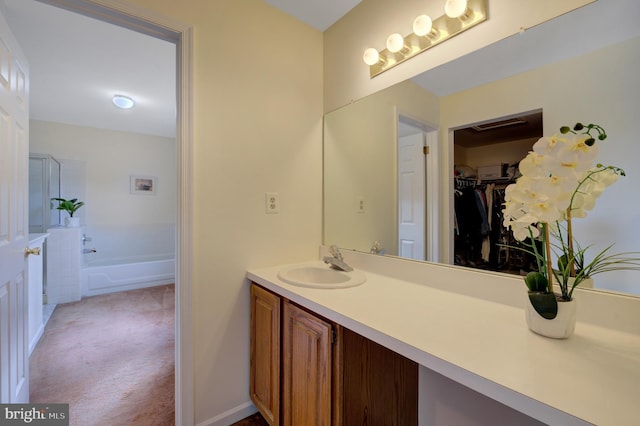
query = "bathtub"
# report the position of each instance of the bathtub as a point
(127, 257)
(101, 277)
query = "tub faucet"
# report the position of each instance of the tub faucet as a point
(336, 261)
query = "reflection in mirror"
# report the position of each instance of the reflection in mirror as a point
(360, 176)
(486, 159)
(563, 68)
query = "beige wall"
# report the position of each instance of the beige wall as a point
(110, 158)
(258, 105)
(360, 152)
(257, 128)
(510, 152)
(346, 77)
(603, 91)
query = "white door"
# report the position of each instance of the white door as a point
(14, 228)
(411, 196)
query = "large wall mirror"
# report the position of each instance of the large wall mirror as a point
(383, 195)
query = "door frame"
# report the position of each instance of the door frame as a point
(162, 27)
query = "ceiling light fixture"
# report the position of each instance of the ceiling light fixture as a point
(460, 15)
(123, 102)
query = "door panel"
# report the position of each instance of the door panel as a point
(411, 197)
(14, 154)
(306, 351)
(264, 387)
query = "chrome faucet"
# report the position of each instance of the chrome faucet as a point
(336, 261)
(376, 248)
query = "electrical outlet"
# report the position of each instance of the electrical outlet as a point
(271, 202)
(360, 204)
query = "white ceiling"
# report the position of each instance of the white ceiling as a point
(78, 63)
(320, 14)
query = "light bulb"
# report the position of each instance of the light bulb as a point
(395, 43)
(371, 56)
(422, 25)
(455, 8)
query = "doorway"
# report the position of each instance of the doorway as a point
(411, 191)
(181, 36)
(417, 186)
(486, 158)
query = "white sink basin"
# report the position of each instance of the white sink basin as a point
(320, 276)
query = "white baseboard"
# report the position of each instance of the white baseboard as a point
(231, 416)
(36, 339)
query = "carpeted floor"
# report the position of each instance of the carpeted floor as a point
(111, 357)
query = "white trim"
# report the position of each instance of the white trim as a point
(150, 23)
(231, 416)
(433, 197)
(449, 209)
(185, 374)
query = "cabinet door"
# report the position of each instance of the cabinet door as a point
(265, 353)
(380, 387)
(306, 351)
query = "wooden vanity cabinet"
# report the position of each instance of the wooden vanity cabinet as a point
(306, 370)
(264, 386)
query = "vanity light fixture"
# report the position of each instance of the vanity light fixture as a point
(123, 102)
(395, 43)
(455, 8)
(423, 25)
(371, 56)
(459, 16)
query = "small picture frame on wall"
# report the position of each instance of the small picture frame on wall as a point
(143, 185)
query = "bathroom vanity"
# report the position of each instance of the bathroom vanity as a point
(306, 369)
(465, 326)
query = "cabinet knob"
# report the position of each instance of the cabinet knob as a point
(35, 250)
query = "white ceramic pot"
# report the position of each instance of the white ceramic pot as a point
(561, 327)
(72, 222)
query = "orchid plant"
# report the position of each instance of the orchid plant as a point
(559, 182)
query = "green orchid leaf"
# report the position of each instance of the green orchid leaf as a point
(563, 262)
(535, 281)
(544, 303)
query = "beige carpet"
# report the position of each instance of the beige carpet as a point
(111, 357)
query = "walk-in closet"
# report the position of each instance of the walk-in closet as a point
(486, 158)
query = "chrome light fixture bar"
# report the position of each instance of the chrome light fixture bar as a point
(460, 15)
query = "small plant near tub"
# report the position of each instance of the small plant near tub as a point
(70, 206)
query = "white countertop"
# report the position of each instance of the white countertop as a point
(592, 377)
(37, 237)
